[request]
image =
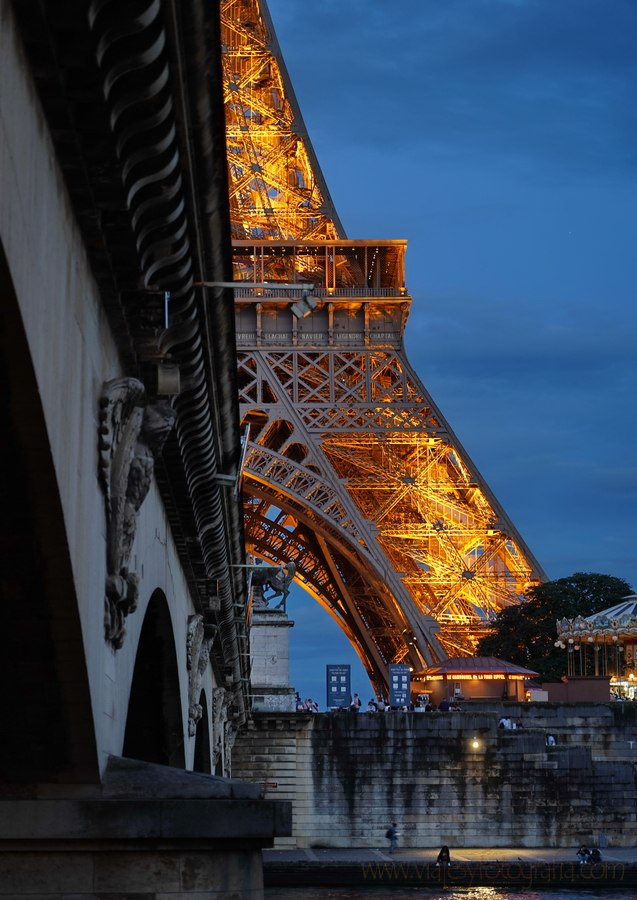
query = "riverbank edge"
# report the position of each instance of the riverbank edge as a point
(380, 870)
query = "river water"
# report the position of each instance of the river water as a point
(476, 893)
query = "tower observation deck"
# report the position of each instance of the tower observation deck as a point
(351, 471)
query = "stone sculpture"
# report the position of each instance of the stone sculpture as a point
(274, 578)
(199, 641)
(131, 436)
(221, 743)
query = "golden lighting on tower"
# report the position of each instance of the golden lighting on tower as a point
(352, 472)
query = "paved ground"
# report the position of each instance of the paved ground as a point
(502, 867)
(626, 855)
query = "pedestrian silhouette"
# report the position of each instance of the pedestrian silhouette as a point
(392, 836)
(444, 857)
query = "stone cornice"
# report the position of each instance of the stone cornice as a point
(132, 94)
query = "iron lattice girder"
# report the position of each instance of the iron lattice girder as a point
(354, 436)
(276, 187)
(351, 471)
(330, 573)
(355, 390)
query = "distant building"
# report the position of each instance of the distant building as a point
(475, 678)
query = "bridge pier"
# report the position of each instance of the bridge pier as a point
(148, 831)
(270, 657)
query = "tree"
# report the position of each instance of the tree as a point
(525, 634)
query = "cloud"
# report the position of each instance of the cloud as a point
(500, 138)
(525, 81)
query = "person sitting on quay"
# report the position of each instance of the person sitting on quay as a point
(444, 705)
(355, 703)
(444, 857)
(584, 855)
(372, 706)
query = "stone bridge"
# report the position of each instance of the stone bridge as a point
(125, 658)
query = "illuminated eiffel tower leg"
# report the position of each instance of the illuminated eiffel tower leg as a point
(351, 472)
(277, 190)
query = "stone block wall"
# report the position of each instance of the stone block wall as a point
(349, 775)
(276, 752)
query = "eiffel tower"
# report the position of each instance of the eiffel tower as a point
(351, 471)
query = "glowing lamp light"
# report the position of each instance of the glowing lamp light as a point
(475, 744)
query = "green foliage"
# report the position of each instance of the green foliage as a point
(526, 634)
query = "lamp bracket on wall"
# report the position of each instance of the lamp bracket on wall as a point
(300, 309)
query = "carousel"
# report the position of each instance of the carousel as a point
(604, 644)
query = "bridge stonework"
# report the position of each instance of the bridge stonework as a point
(350, 775)
(117, 728)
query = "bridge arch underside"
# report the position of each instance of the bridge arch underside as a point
(47, 720)
(154, 723)
(203, 757)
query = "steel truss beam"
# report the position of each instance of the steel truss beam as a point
(351, 470)
(354, 474)
(277, 190)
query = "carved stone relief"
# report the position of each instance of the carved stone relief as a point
(131, 436)
(199, 640)
(220, 752)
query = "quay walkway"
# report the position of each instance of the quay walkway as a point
(538, 868)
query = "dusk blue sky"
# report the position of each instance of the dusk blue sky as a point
(499, 137)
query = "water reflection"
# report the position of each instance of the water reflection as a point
(476, 893)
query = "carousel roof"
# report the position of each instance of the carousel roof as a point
(478, 665)
(610, 623)
(628, 607)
